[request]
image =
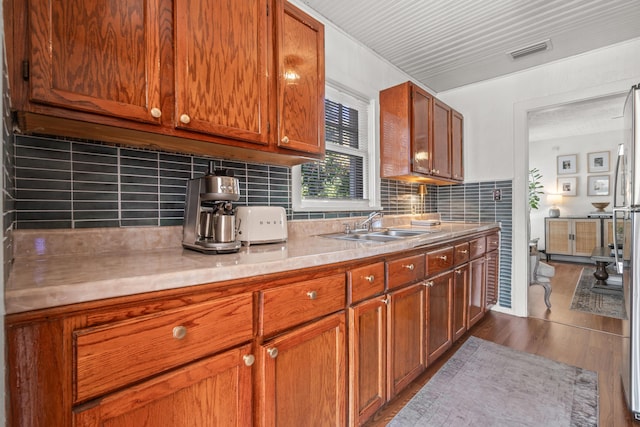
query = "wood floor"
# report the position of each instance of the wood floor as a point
(588, 341)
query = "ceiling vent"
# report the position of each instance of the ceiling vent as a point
(531, 49)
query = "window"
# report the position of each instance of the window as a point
(346, 179)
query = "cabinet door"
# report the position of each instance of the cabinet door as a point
(421, 131)
(406, 337)
(300, 81)
(96, 56)
(558, 236)
(213, 392)
(586, 236)
(457, 164)
(493, 261)
(367, 356)
(460, 298)
(477, 281)
(439, 294)
(222, 68)
(441, 148)
(303, 375)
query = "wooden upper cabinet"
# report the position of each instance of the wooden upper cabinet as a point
(457, 145)
(232, 79)
(222, 68)
(421, 132)
(441, 148)
(95, 56)
(405, 131)
(300, 81)
(417, 133)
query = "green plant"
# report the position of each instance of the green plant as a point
(535, 188)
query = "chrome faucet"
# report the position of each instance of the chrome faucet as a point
(368, 223)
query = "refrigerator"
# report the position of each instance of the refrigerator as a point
(626, 220)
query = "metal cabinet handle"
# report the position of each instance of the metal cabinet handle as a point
(156, 113)
(385, 300)
(429, 284)
(179, 332)
(410, 267)
(458, 271)
(369, 278)
(443, 257)
(285, 140)
(272, 352)
(464, 251)
(185, 119)
(312, 294)
(249, 359)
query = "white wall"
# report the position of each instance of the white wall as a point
(543, 156)
(495, 127)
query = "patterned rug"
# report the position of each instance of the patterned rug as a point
(608, 305)
(486, 384)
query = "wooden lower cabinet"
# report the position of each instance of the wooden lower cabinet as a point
(493, 278)
(367, 359)
(460, 298)
(477, 282)
(406, 349)
(439, 299)
(213, 392)
(303, 375)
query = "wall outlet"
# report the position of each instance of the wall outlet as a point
(497, 195)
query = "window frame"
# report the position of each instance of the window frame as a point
(371, 187)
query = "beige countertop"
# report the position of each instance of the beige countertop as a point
(43, 275)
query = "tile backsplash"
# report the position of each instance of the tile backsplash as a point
(53, 183)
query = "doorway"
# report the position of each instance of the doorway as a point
(562, 141)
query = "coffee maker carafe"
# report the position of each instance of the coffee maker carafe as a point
(209, 216)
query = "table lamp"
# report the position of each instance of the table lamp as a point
(554, 200)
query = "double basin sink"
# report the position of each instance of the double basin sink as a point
(383, 235)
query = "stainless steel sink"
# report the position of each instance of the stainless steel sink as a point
(387, 235)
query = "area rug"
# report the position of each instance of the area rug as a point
(486, 384)
(608, 305)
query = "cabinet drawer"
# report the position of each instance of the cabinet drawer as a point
(493, 242)
(290, 305)
(477, 247)
(111, 356)
(404, 271)
(440, 260)
(461, 253)
(366, 281)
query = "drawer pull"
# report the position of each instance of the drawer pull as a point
(156, 113)
(370, 278)
(443, 257)
(458, 272)
(312, 294)
(410, 267)
(179, 332)
(272, 352)
(249, 359)
(464, 251)
(385, 300)
(285, 140)
(185, 119)
(429, 284)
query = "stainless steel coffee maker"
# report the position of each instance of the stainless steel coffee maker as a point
(209, 216)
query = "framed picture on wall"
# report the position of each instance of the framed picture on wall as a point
(568, 186)
(598, 185)
(567, 164)
(598, 162)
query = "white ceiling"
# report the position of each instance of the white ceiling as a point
(445, 44)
